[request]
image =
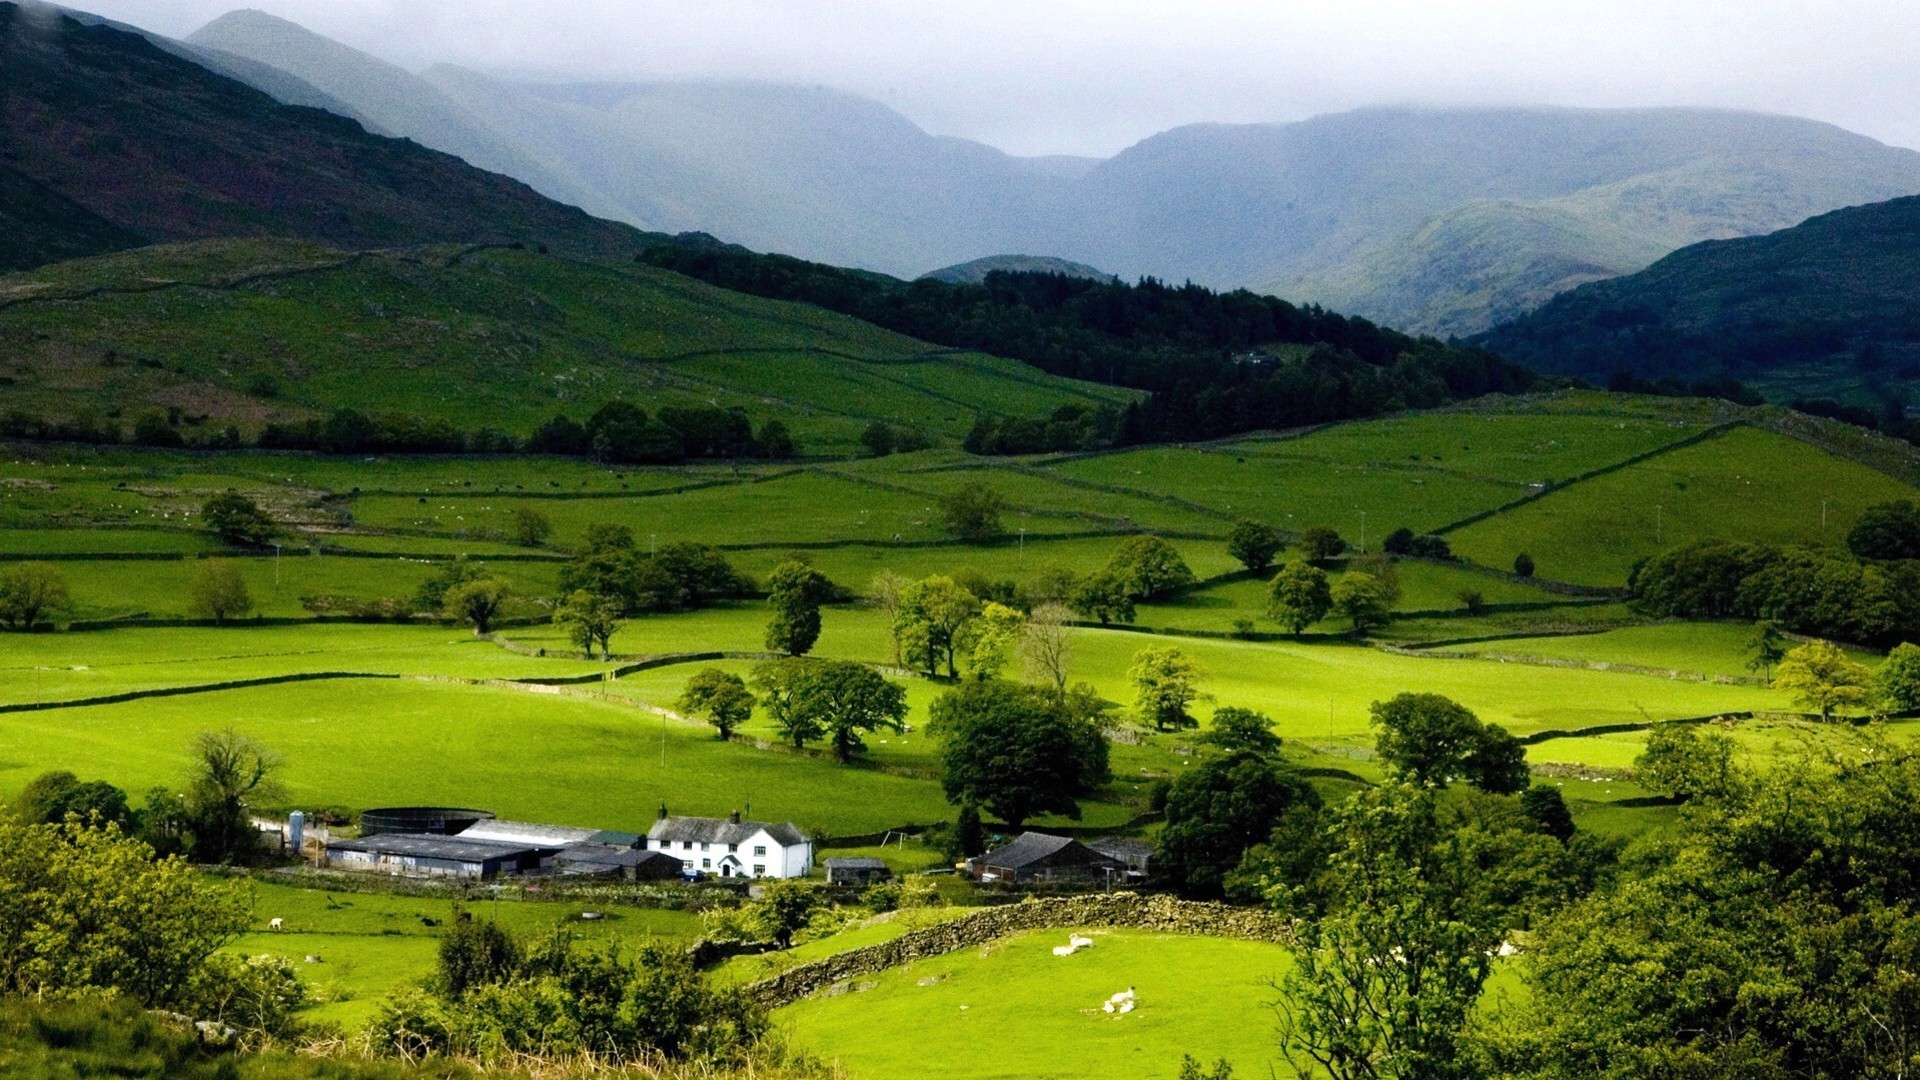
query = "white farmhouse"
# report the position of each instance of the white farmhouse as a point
(729, 847)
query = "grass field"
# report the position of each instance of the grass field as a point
(1745, 484)
(1013, 1009)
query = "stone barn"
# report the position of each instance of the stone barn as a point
(1037, 858)
(855, 870)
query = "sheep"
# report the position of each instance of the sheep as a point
(1122, 996)
(1126, 1007)
(1063, 950)
(1079, 942)
(273, 924)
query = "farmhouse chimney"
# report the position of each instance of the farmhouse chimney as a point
(663, 811)
(734, 817)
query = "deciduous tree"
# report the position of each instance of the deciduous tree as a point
(972, 512)
(1253, 544)
(1046, 645)
(1299, 596)
(795, 592)
(720, 698)
(1016, 750)
(843, 699)
(477, 603)
(1166, 683)
(1360, 598)
(237, 519)
(29, 593)
(590, 619)
(218, 592)
(1820, 676)
(1150, 567)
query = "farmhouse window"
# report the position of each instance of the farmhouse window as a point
(759, 871)
(706, 864)
(760, 850)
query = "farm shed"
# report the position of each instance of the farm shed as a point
(855, 870)
(433, 855)
(527, 832)
(730, 847)
(1037, 857)
(627, 863)
(1137, 854)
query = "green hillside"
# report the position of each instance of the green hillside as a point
(245, 332)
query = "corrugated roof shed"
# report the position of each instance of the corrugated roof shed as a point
(434, 846)
(854, 862)
(527, 832)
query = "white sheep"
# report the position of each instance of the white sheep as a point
(1122, 996)
(273, 924)
(1063, 950)
(1079, 942)
(1126, 1007)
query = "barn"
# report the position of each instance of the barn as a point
(626, 863)
(433, 855)
(1034, 858)
(855, 870)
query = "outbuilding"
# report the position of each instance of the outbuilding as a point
(1137, 854)
(626, 863)
(1032, 858)
(433, 855)
(855, 870)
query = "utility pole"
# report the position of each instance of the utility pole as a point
(1659, 522)
(1823, 516)
(1363, 532)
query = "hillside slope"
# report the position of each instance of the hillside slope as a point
(1827, 304)
(975, 272)
(1441, 221)
(161, 148)
(247, 332)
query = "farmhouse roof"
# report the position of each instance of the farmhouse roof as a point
(854, 862)
(701, 830)
(601, 855)
(434, 846)
(1032, 848)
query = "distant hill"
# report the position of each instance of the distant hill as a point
(251, 332)
(975, 272)
(1440, 221)
(1825, 306)
(119, 142)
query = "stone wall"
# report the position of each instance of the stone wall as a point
(1157, 914)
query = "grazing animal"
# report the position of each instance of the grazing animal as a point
(1079, 942)
(273, 924)
(1123, 996)
(314, 959)
(1063, 950)
(1126, 1007)
(429, 920)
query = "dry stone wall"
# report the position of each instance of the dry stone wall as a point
(1157, 914)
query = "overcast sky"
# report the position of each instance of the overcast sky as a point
(1093, 76)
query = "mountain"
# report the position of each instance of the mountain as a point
(1827, 305)
(113, 141)
(1441, 221)
(975, 272)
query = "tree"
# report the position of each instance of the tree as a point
(878, 438)
(1299, 596)
(1359, 597)
(1018, 751)
(842, 699)
(1238, 730)
(885, 590)
(1219, 809)
(218, 592)
(30, 592)
(1497, 762)
(475, 953)
(1685, 762)
(776, 442)
(1426, 738)
(779, 683)
(721, 698)
(1321, 543)
(933, 615)
(50, 797)
(684, 576)
(1766, 647)
(1046, 645)
(1888, 530)
(1398, 542)
(785, 908)
(1548, 809)
(969, 839)
(1253, 545)
(1386, 978)
(1897, 683)
(1523, 565)
(972, 512)
(590, 619)
(991, 639)
(607, 565)
(1103, 595)
(1820, 676)
(1165, 682)
(795, 592)
(432, 593)
(1472, 599)
(1150, 567)
(237, 519)
(531, 526)
(477, 603)
(228, 769)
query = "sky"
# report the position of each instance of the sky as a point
(1092, 77)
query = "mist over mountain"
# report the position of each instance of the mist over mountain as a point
(1444, 221)
(108, 141)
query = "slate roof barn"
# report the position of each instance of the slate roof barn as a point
(855, 870)
(1137, 854)
(1038, 857)
(433, 855)
(629, 864)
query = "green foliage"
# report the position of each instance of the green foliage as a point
(1166, 682)
(968, 837)
(90, 912)
(1321, 543)
(1497, 762)
(237, 519)
(1821, 677)
(476, 602)
(1694, 581)
(719, 697)
(1686, 762)
(932, 618)
(683, 577)
(218, 592)
(1219, 809)
(47, 799)
(1103, 595)
(1897, 682)
(972, 513)
(432, 593)
(1889, 530)
(1253, 545)
(1191, 1069)
(1299, 597)
(1363, 600)
(795, 592)
(475, 952)
(229, 771)
(1150, 567)
(31, 592)
(1430, 739)
(531, 527)
(1548, 809)
(1241, 730)
(779, 683)
(991, 639)
(1523, 565)
(1767, 647)
(1018, 751)
(841, 699)
(257, 995)
(589, 618)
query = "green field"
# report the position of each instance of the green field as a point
(1013, 1009)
